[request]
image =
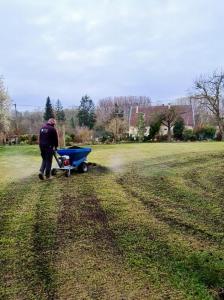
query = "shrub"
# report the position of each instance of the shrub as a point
(24, 138)
(107, 138)
(68, 140)
(132, 138)
(72, 137)
(162, 138)
(33, 139)
(210, 132)
(23, 142)
(218, 137)
(102, 135)
(205, 132)
(189, 135)
(83, 135)
(125, 137)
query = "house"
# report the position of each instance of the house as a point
(149, 112)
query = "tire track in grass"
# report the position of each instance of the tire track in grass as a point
(168, 215)
(12, 198)
(90, 212)
(90, 264)
(45, 249)
(9, 199)
(134, 238)
(173, 202)
(18, 278)
(205, 266)
(80, 208)
(149, 244)
(28, 222)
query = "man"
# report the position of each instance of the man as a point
(48, 142)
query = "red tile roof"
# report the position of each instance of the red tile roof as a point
(185, 111)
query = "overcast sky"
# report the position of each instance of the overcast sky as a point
(68, 48)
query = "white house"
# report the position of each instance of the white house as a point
(149, 112)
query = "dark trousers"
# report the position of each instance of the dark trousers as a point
(47, 155)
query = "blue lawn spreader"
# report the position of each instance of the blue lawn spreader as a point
(70, 159)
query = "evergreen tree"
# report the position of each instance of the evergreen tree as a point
(141, 126)
(178, 129)
(59, 112)
(49, 112)
(154, 128)
(72, 122)
(86, 112)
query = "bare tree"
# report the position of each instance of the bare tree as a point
(4, 111)
(202, 115)
(105, 107)
(118, 127)
(104, 111)
(209, 92)
(27, 122)
(168, 118)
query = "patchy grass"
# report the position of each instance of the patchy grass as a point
(17, 162)
(147, 224)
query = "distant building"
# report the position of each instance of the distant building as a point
(149, 112)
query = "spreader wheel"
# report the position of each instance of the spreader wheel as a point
(83, 168)
(53, 172)
(67, 173)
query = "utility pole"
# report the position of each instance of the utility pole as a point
(16, 127)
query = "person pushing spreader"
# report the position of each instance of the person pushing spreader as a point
(48, 143)
(69, 159)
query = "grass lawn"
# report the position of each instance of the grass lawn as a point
(146, 223)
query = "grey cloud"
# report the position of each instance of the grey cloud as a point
(107, 47)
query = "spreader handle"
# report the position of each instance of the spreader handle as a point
(57, 160)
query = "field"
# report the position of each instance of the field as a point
(146, 223)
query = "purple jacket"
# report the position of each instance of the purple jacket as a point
(48, 136)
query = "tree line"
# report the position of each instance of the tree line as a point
(109, 119)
